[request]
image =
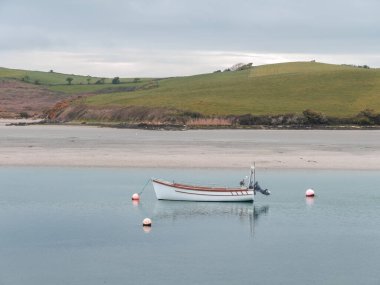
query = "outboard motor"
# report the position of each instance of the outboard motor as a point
(257, 187)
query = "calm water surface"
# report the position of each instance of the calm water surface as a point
(79, 226)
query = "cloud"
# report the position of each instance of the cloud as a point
(159, 63)
(151, 30)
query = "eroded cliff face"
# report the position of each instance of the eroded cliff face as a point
(21, 99)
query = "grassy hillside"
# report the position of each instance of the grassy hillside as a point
(97, 88)
(58, 82)
(44, 78)
(335, 90)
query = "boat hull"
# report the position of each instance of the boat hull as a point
(173, 191)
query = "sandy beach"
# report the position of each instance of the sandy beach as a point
(44, 145)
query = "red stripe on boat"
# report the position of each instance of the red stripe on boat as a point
(198, 188)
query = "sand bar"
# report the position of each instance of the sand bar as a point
(44, 145)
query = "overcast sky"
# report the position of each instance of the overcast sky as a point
(136, 38)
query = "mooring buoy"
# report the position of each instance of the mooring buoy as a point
(310, 193)
(147, 222)
(135, 197)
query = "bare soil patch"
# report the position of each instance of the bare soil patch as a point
(19, 97)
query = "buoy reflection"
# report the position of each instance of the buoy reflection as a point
(310, 201)
(147, 229)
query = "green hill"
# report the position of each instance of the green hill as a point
(271, 89)
(285, 88)
(44, 78)
(56, 80)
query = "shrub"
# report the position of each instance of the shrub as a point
(193, 115)
(240, 66)
(314, 118)
(24, 115)
(69, 80)
(246, 120)
(116, 80)
(100, 81)
(368, 117)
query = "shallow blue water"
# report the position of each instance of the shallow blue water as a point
(79, 226)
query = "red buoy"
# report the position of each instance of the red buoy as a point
(135, 197)
(310, 193)
(147, 222)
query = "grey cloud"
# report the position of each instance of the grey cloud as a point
(264, 26)
(202, 23)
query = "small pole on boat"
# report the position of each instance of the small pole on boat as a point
(252, 176)
(254, 179)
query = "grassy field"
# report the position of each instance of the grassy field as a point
(95, 88)
(44, 78)
(58, 80)
(334, 90)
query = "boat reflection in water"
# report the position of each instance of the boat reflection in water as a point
(180, 211)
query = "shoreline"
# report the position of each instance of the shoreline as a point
(258, 167)
(174, 127)
(90, 146)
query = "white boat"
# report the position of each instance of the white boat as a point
(182, 192)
